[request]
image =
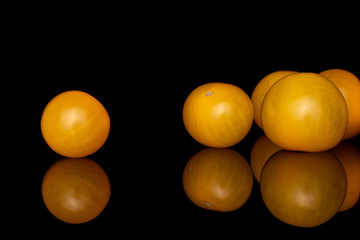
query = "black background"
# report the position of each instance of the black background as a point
(141, 70)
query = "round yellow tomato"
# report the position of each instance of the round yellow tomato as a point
(261, 89)
(349, 156)
(218, 114)
(75, 190)
(261, 151)
(218, 179)
(349, 85)
(75, 124)
(304, 112)
(303, 189)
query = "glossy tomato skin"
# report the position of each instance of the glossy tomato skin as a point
(218, 114)
(75, 190)
(218, 179)
(349, 86)
(304, 112)
(257, 96)
(303, 189)
(75, 124)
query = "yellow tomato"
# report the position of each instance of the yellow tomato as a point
(303, 189)
(349, 156)
(218, 179)
(304, 112)
(75, 124)
(218, 114)
(349, 85)
(261, 151)
(261, 89)
(75, 190)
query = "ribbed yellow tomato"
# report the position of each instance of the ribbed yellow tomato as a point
(75, 190)
(218, 179)
(261, 89)
(349, 85)
(303, 189)
(218, 114)
(304, 112)
(75, 124)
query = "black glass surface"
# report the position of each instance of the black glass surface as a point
(148, 148)
(143, 87)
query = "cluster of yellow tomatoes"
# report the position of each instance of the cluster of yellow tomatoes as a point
(75, 189)
(303, 179)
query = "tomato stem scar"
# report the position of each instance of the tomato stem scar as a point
(208, 93)
(207, 204)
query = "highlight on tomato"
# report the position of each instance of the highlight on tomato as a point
(349, 86)
(304, 112)
(303, 189)
(75, 190)
(349, 156)
(218, 179)
(218, 115)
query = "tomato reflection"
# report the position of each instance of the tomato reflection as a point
(218, 179)
(349, 156)
(261, 151)
(303, 189)
(75, 190)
